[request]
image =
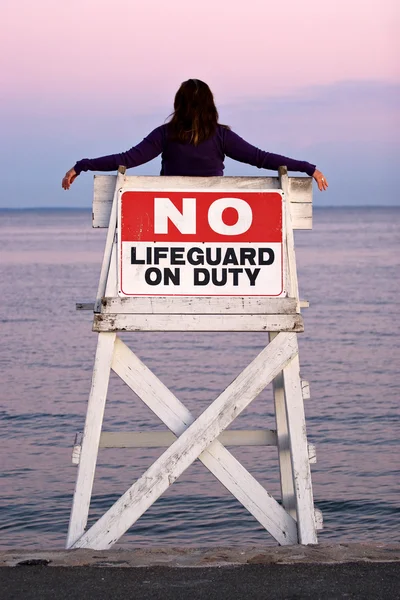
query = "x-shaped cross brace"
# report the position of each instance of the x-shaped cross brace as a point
(197, 439)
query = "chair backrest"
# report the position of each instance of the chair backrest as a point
(300, 192)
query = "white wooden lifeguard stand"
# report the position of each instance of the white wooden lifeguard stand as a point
(293, 520)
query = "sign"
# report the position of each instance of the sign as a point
(200, 243)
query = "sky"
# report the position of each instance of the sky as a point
(314, 80)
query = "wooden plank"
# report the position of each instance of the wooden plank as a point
(299, 452)
(192, 443)
(300, 192)
(300, 189)
(305, 389)
(112, 283)
(76, 450)
(196, 305)
(182, 305)
(319, 521)
(91, 437)
(301, 215)
(291, 270)
(177, 417)
(110, 240)
(285, 461)
(104, 185)
(160, 439)
(312, 454)
(135, 322)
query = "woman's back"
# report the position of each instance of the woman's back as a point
(193, 143)
(184, 158)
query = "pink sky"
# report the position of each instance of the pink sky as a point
(317, 80)
(97, 49)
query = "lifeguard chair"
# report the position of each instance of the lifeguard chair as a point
(200, 254)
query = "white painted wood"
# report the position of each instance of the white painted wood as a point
(76, 450)
(301, 215)
(300, 189)
(216, 458)
(91, 437)
(305, 389)
(319, 521)
(196, 305)
(312, 454)
(76, 454)
(110, 240)
(160, 439)
(299, 452)
(138, 322)
(203, 438)
(285, 463)
(296, 425)
(199, 305)
(112, 283)
(191, 443)
(292, 283)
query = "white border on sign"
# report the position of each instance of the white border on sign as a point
(190, 190)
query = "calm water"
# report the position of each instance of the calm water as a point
(350, 352)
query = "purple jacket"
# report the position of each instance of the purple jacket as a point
(205, 160)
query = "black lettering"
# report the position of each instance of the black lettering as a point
(134, 260)
(213, 261)
(266, 261)
(173, 276)
(177, 256)
(201, 277)
(149, 260)
(235, 273)
(148, 276)
(195, 261)
(159, 252)
(252, 275)
(247, 254)
(230, 257)
(214, 277)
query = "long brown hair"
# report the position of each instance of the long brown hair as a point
(195, 116)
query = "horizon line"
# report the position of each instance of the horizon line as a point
(89, 208)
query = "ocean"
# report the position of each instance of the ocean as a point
(350, 352)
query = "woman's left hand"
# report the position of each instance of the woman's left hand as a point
(320, 179)
(69, 178)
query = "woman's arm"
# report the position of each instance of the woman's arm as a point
(146, 150)
(237, 148)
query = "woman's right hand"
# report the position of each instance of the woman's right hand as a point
(69, 178)
(320, 179)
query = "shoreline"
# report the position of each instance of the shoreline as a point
(175, 557)
(88, 208)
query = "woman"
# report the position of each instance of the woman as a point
(193, 143)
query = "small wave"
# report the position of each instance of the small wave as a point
(18, 320)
